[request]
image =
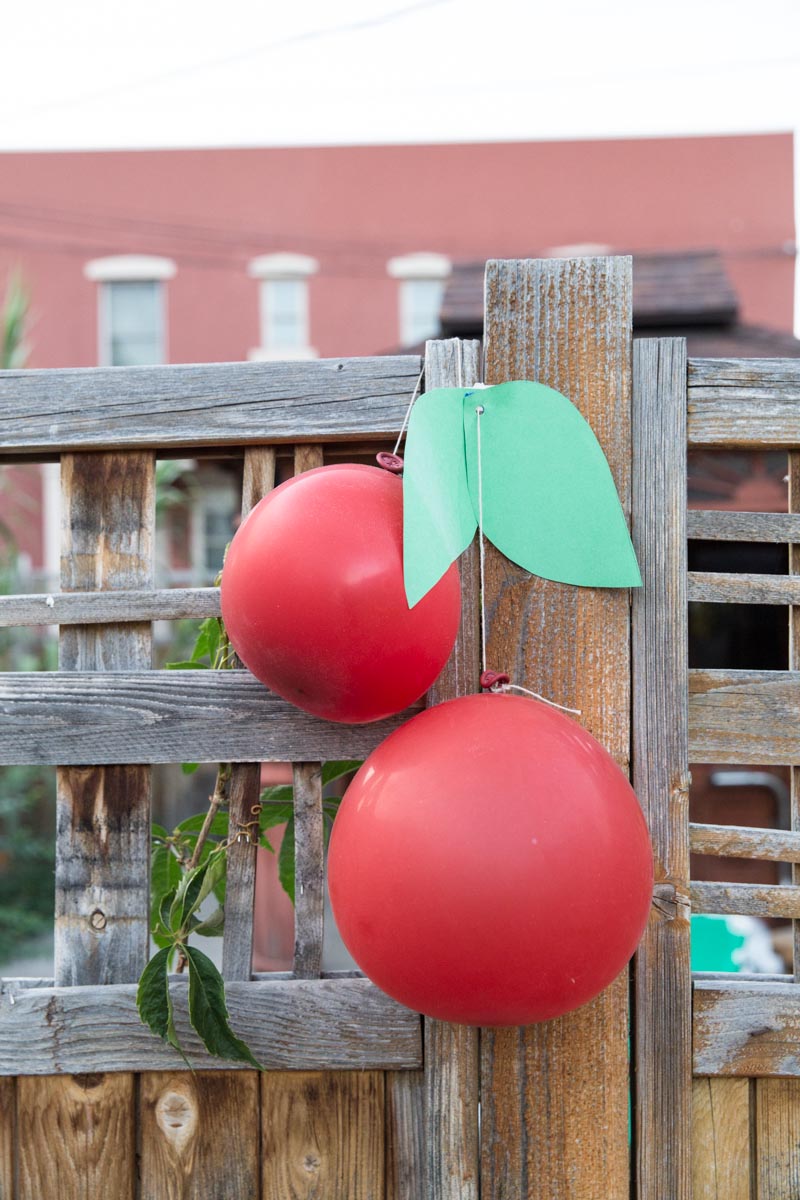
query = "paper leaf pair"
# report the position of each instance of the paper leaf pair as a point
(549, 500)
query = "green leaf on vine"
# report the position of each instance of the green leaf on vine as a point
(213, 926)
(208, 1012)
(154, 1002)
(286, 860)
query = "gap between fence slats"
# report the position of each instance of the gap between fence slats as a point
(214, 404)
(554, 1096)
(245, 786)
(452, 1062)
(662, 1022)
(720, 526)
(167, 716)
(734, 841)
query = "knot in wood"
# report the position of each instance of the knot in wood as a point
(98, 920)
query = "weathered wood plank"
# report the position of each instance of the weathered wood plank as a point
(721, 526)
(245, 785)
(299, 1025)
(8, 1139)
(167, 716)
(744, 717)
(199, 1135)
(721, 1139)
(794, 664)
(718, 587)
(744, 402)
(79, 1139)
(662, 973)
(100, 608)
(748, 899)
(309, 877)
(405, 1134)
(102, 928)
(735, 841)
(746, 1028)
(214, 404)
(777, 1137)
(452, 1060)
(322, 1136)
(554, 1097)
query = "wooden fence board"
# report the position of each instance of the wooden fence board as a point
(749, 899)
(663, 1026)
(452, 1064)
(721, 1161)
(322, 1136)
(777, 1135)
(744, 717)
(554, 1100)
(167, 716)
(733, 841)
(721, 526)
(747, 403)
(214, 404)
(99, 608)
(79, 1139)
(405, 1134)
(199, 1135)
(746, 1028)
(8, 1138)
(719, 587)
(299, 1025)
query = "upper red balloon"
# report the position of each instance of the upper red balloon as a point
(313, 598)
(490, 864)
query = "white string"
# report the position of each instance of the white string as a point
(497, 687)
(414, 395)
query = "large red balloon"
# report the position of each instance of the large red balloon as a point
(490, 864)
(313, 598)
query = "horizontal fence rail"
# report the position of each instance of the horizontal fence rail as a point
(720, 587)
(79, 717)
(300, 1025)
(101, 608)
(744, 403)
(217, 404)
(746, 1028)
(734, 841)
(744, 717)
(716, 525)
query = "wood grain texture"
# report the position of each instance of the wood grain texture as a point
(718, 587)
(340, 1024)
(322, 1135)
(452, 1080)
(309, 900)
(746, 1028)
(405, 1134)
(749, 899)
(79, 1140)
(744, 717)
(245, 785)
(199, 1135)
(734, 841)
(744, 402)
(103, 815)
(777, 1134)
(8, 1138)
(167, 716)
(214, 404)
(721, 526)
(662, 971)
(721, 1156)
(554, 1097)
(101, 608)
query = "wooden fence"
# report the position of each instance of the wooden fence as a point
(362, 1100)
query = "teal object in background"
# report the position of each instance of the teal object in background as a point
(714, 944)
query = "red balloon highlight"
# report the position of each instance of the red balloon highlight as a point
(490, 864)
(314, 603)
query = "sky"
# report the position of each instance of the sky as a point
(100, 74)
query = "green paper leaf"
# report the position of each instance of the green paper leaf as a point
(549, 500)
(439, 521)
(208, 1012)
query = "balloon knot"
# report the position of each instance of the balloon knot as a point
(390, 462)
(490, 680)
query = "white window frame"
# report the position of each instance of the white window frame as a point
(267, 269)
(410, 269)
(127, 268)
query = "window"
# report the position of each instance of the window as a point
(423, 278)
(131, 308)
(284, 305)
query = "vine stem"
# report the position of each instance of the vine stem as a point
(218, 797)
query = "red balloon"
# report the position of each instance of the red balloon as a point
(313, 598)
(490, 864)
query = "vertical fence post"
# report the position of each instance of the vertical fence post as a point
(554, 1097)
